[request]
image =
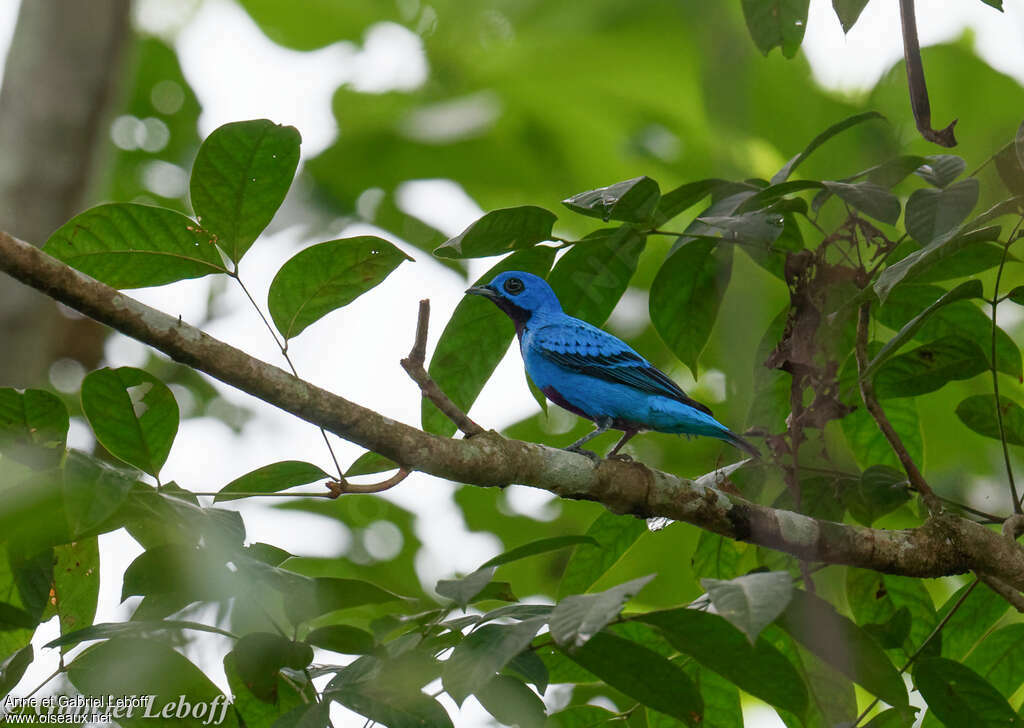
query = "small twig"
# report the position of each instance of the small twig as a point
(413, 366)
(867, 394)
(919, 103)
(339, 488)
(1011, 595)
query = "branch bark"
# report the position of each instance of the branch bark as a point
(919, 103)
(944, 545)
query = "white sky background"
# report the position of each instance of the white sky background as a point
(239, 74)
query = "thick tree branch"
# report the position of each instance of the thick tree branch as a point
(919, 103)
(944, 545)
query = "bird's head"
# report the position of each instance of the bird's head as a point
(520, 295)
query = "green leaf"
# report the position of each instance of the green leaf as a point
(999, 658)
(1009, 169)
(871, 199)
(177, 568)
(642, 674)
(76, 583)
(783, 174)
(304, 715)
(816, 625)
(581, 716)
(324, 594)
(776, 23)
(240, 177)
(891, 172)
(973, 619)
(848, 11)
(512, 703)
(634, 200)
(686, 294)
(540, 546)
(272, 479)
(932, 218)
(133, 414)
(969, 260)
(682, 198)
(591, 278)
(978, 412)
(893, 633)
(722, 708)
(577, 618)
(715, 556)
(750, 228)
(139, 628)
(474, 341)
(12, 617)
(259, 656)
(501, 231)
(462, 591)
(253, 712)
(880, 490)
(1017, 295)
(369, 463)
(589, 562)
(126, 245)
(12, 669)
(757, 668)
(752, 601)
(875, 598)
(327, 276)
(959, 696)
(530, 668)
(343, 638)
(775, 192)
(33, 426)
(404, 709)
(483, 653)
(930, 367)
(939, 170)
(132, 666)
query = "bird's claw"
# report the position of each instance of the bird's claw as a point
(622, 457)
(594, 457)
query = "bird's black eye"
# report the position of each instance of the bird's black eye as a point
(514, 286)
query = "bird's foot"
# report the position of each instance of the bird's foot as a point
(594, 457)
(622, 457)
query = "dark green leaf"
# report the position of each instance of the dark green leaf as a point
(892, 171)
(880, 490)
(512, 703)
(759, 228)
(939, 170)
(715, 556)
(272, 479)
(133, 414)
(177, 568)
(369, 463)
(958, 696)
(686, 294)
(973, 618)
(12, 617)
(968, 261)
(999, 658)
(306, 599)
(722, 707)
(501, 231)
(591, 278)
(141, 628)
(76, 583)
(683, 198)
(783, 174)
(589, 562)
(776, 23)
(306, 715)
(93, 491)
(13, 668)
(978, 412)
(581, 716)
(259, 657)
(240, 177)
(893, 633)
(483, 653)
(462, 591)
(126, 245)
(474, 341)
(848, 11)
(342, 638)
(930, 367)
(1009, 169)
(759, 669)
(530, 668)
(642, 674)
(1017, 295)
(773, 193)
(816, 625)
(891, 718)
(752, 601)
(326, 277)
(577, 618)
(33, 426)
(871, 199)
(634, 200)
(406, 709)
(540, 546)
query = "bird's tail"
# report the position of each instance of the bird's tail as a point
(733, 439)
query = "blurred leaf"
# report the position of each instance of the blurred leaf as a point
(930, 367)
(255, 713)
(751, 228)
(634, 200)
(342, 638)
(752, 601)
(133, 414)
(776, 23)
(126, 245)
(240, 177)
(592, 276)
(369, 463)
(722, 707)
(76, 583)
(512, 703)
(474, 340)
(1000, 660)
(530, 668)
(33, 426)
(686, 294)
(1009, 169)
(940, 170)
(577, 618)
(177, 568)
(325, 594)
(682, 198)
(757, 668)
(972, 620)
(462, 591)
(871, 199)
(783, 174)
(1017, 295)
(971, 259)
(540, 546)
(880, 490)
(326, 277)
(874, 598)
(715, 556)
(978, 412)
(272, 479)
(642, 674)
(893, 633)
(775, 192)
(132, 666)
(580, 716)
(499, 232)
(959, 696)
(106, 630)
(848, 11)
(589, 562)
(259, 656)
(304, 715)
(483, 653)
(12, 669)
(816, 625)
(12, 617)
(892, 171)
(405, 709)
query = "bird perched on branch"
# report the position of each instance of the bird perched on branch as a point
(593, 374)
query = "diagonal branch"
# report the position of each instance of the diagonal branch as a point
(944, 545)
(919, 103)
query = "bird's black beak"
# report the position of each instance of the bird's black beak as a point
(485, 291)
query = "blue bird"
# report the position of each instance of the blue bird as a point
(593, 374)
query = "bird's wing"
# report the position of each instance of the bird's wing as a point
(579, 347)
